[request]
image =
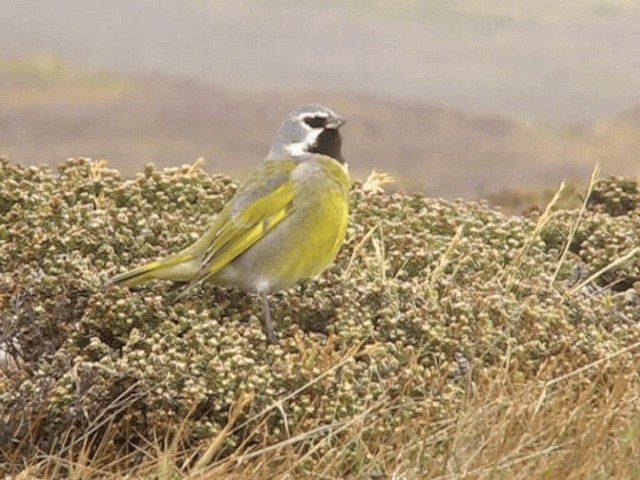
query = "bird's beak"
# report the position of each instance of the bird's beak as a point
(336, 122)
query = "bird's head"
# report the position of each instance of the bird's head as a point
(309, 129)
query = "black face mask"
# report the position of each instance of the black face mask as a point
(329, 143)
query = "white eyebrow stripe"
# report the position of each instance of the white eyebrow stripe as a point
(319, 113)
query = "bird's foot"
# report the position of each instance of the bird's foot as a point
(271, 337)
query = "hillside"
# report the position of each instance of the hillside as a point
(449, 340)
(54, 109)
(563, 63)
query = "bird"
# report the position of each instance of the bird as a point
(284, 224)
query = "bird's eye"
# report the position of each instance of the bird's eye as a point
(316, 122)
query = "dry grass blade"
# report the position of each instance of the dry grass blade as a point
(584, 368)
(196, 166)
(544, 219)
(214, 447)
(69, 443)
(594, 178)
(616, 263)
(447, 256)
(357, 250)
(379, 253)
(348, 356)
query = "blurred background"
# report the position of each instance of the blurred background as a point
(456, 98)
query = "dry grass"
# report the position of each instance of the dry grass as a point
(581, 425)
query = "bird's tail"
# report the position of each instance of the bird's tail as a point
(181, 267)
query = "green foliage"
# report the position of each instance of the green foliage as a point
(388, 323)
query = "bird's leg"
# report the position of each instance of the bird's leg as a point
(266, 323)
(176, 285)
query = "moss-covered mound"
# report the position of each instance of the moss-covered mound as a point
(423, 293)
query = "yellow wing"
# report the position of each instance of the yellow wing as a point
(262, 203)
